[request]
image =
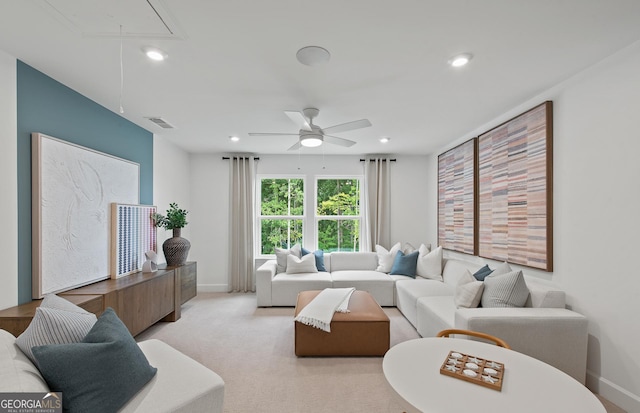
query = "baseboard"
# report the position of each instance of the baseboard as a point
(212, 288)
(612, 392)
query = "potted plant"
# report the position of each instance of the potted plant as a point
(176, 248)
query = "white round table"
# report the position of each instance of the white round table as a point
(412, 368)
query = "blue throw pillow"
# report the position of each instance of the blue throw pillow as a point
(319, 258)
(482, 273)
(101, 373)
(405, 264)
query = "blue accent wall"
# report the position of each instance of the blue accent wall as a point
(47, 106)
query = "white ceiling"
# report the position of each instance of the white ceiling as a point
(232, 68)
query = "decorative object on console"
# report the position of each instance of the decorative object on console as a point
(457, 198)
(151, 264)
(515, 190)
(176, 249)
(132, 234)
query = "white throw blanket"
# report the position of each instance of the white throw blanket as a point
(319, 312)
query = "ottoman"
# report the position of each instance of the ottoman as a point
(364, 331)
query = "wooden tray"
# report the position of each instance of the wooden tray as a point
(465, 367)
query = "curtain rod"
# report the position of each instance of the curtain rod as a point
(224, 158)
(371, 160)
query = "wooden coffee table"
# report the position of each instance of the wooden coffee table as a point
(364, 331)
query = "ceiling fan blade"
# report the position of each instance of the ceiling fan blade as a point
(295, 146)
(338, 141)
(298, 118)
(344, 127)
(272, 134)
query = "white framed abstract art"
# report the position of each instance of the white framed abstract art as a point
(72, 191)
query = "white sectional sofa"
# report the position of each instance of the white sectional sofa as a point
(180, 385)
(543, 329)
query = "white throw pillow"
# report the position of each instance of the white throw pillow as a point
(281, 257)
(429, 263)
(386, 257)
(297, 265)
(505, 290)
(408, 248)
(468, 291)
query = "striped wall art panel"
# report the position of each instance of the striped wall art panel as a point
(132, 234)
(456, 198)
(515, 206)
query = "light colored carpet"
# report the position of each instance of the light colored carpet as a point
(252, 350)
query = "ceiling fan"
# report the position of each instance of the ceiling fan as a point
(311, 135)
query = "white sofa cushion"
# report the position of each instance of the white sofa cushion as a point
(285, 287)
(429, 264)
(347, 261)
(434, 315)
(305, 264)
(378, 284)
(505, 290)
(386, 257)
(181, 385)
(408, 292)
(453, 269)
(17, 373)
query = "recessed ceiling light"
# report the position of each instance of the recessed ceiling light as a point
(154, 54)
(313, 55)
(234, 138)
(460, 60)
(384, 140)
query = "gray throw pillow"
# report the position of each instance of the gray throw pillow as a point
(57, 321)
(505, 290)
(100, 374)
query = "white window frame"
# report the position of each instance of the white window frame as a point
(318, 218)
(310, 215)
(260, 217)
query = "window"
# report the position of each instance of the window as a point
(281, 213)
(338, 214)
(290, 213)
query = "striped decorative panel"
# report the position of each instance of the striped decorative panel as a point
(133, 234)
(515, 190)
(456, 198)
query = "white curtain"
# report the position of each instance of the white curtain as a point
(241, 223)
(377, 202)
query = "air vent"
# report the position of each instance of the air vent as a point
(161, 122)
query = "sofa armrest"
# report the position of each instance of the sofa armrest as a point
(181, 384)
(264, 276)
(556, 336)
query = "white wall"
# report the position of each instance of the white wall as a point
(171, 184)
(596, 214)
(210, 189)
(8, 182)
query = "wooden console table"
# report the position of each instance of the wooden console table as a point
(139, 299)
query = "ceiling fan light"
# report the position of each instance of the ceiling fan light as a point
(460, 60)
(154, 54)
(310, 141)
